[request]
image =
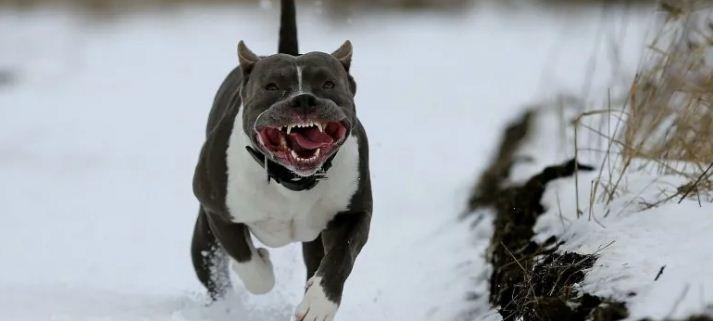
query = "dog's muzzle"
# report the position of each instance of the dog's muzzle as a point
(302, 133)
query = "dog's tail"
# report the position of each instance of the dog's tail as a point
(288, 29)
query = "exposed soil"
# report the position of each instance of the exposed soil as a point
(693, 318)
(529, 280)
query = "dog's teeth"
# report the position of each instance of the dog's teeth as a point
(305, 125)
(294, 155)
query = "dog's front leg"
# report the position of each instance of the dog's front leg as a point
(343, 240)
(253, 266)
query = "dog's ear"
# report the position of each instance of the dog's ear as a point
(344, 54)
(247, 58)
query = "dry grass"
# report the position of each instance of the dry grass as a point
(667, 120)
(670, 108)
(671, 104)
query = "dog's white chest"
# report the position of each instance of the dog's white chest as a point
(276, 215)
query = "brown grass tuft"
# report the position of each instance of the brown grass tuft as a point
(671, 102)
(667, 120)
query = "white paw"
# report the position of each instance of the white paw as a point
(256, 274)
(315, 306)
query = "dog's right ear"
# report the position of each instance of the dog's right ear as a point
(247, 58)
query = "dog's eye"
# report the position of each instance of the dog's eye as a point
(272, 86)
(328, 85)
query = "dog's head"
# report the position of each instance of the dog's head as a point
(298, 110)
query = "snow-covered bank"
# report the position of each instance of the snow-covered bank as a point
(101, 129)
(657, 260)
(645, 211)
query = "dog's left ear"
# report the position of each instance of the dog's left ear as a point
(344, 54)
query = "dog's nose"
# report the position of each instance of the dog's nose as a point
(306, 102)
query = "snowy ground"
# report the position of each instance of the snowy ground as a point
(633, 242)
(101, 126)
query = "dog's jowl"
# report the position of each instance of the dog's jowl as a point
(285, 160)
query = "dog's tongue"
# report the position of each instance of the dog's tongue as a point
(311, 138)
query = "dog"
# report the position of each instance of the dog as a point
(285, 160)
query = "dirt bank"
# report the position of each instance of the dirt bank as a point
(532, 281)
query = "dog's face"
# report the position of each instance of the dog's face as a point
(298, 110)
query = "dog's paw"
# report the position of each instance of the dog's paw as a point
(316, 306)
(257, 274)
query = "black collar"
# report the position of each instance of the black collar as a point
(287, 178)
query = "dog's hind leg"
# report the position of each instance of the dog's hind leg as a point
(209, 259)
(253, 266)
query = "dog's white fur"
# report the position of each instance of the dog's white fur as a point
(276, 215)
(299, 77)
(257, 274)
(315, 305)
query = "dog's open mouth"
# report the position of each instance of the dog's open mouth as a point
(303, 146)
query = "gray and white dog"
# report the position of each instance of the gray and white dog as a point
(285, 160)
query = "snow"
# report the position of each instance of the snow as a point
(634, 244)
(100, 133)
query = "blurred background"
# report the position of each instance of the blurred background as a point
(340, 4)
(103, 105)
